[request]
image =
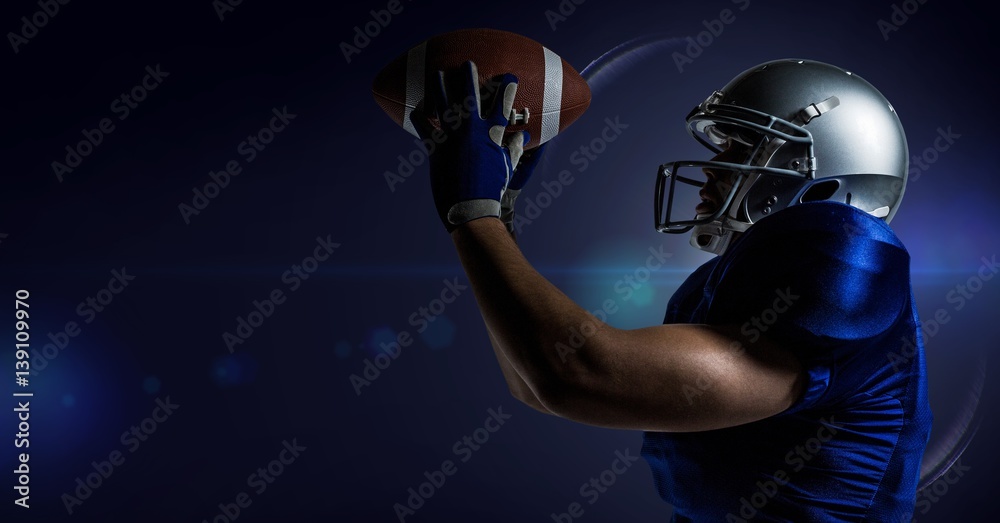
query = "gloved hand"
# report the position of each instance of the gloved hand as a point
(526, 165)
(471, 164)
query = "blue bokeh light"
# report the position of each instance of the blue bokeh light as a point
(440, 333)
(234, 370)
(378, 337)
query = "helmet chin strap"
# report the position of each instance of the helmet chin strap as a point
(716, 236)
(711, 237)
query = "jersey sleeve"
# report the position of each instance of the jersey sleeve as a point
(823, 279)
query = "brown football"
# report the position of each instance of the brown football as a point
(550, 93)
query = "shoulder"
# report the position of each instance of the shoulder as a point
(823, 270)
(684, 305)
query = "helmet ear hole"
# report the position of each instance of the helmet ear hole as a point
(820, 191)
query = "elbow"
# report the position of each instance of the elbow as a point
(575, 381)
(571, 403)
(527, 397)
(566, 375)
(548, 396)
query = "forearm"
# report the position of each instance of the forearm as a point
(518, 387)
(530, 318)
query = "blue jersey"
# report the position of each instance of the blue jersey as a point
(831, 284)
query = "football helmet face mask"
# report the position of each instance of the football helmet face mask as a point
(811, 131)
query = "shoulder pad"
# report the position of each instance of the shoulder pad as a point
(824, 272)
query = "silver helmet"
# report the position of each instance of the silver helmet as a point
(812, 131)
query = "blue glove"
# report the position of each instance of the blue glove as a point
(471, 164)
(526, 165)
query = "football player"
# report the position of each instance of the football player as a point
(788, 381)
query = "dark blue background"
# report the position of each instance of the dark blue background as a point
(324, 176)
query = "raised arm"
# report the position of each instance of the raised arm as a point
(634, 379)
(522, 172)
(637, 379)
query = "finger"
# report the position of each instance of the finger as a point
(532, 156)
(470, 74)
(462, 86)
(515, 146)
(439, 94)
(505, 102)
(420, 122)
